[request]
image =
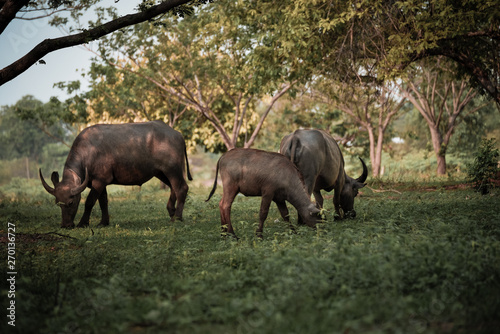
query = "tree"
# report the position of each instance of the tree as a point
(28, 138)
(442, 101)
(369, 106)
(386, 36)
(467, 32)
(210, 65)
(10, 9)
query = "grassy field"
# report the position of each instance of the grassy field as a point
(419, 258)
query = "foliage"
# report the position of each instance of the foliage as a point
(209, 65)
(376, 40)
(33, 134)
(484, 170)
(421, 260)
(29, 125)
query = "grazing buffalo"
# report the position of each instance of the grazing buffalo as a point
(126, 154)
(267, 174)
(319, 159)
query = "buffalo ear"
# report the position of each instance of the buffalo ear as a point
(359, 185)
(55, 178)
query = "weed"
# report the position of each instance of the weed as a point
(422, 259)
(483, 171)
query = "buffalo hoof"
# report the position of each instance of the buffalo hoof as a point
(350, 214)
(233, 236)
(68, 226)
(82, 225)
(103, 224)
(173, 219)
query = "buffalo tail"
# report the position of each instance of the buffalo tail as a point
(187, 165)
(215, 182)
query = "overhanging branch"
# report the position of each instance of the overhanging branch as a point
(49, 45)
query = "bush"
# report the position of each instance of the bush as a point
(484, 169)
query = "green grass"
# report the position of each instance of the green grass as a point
(424, 259)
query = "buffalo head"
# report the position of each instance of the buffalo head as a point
(67, 193)
(350, 191)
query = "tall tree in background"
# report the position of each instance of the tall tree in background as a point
(442, 101)
(370, 107)
(210, 62)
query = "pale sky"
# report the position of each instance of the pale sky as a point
(62, 65)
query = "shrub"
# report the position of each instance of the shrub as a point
(483, 171)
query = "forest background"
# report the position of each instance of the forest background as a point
(244, 74)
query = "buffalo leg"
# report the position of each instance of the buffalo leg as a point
(89, 204)
(284, 214)
(171, 200)
(103, 203)
(179, 193)
(171, 204)
(336, 204)
(264, 211)
(318, 198)
(225, 211)
(309, 182)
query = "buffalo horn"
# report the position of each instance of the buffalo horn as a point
(49, 189)
(81, 187)
(363, 176)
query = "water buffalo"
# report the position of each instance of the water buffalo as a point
(126, 154)
(319, 159)
(267, 174)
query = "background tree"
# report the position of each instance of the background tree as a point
(368, 106)
(442, 101)
(205, 64)
(32, 140)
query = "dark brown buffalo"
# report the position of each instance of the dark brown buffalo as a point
(126, 154)
(267, 174)
(319, 159)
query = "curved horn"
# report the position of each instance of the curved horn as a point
(49, 189)
(363, 176)
(81, 187)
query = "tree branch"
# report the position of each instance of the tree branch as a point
(49, 45)
(8, 12)
(264, 115)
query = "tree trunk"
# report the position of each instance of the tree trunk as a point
(375, 161)
(439, 150)
(28, 168)
(378, 151)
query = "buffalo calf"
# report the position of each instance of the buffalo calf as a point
(269, 175)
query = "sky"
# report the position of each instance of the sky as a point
(61, 65)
